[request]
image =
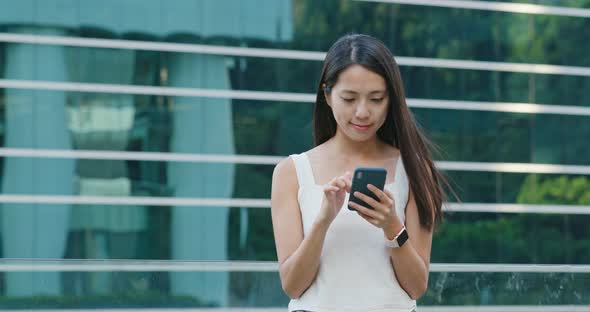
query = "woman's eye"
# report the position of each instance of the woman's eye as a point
(348, 99)
(377, 100)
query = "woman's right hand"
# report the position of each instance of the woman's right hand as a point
(334, 195)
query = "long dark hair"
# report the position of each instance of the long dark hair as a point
(400, 128)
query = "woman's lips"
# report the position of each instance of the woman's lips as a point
(360, 127)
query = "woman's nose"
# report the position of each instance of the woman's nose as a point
(361, 111)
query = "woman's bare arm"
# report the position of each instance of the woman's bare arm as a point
(299, 258)
(411, 262)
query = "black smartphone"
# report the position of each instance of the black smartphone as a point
(363, 176)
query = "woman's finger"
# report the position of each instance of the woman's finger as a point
(383, 198)
(367, 199)
(348, 181)
(342, 182)
(369, 219)
(331, 188)
(366, 211)
(391, 198)
(337, 182)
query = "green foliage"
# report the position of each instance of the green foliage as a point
(562, 190)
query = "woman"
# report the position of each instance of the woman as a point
(369, 258)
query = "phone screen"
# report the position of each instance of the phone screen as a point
(363, 176)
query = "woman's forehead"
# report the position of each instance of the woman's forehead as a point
(357, 79)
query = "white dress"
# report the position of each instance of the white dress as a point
(355, 272)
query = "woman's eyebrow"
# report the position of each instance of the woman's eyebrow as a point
(372, 92)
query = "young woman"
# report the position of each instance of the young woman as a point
(370, 258)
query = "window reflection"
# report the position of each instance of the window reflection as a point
(120, 122)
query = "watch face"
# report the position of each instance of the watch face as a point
(402, 238)
(399, 240)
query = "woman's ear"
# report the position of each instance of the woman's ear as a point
(327, 95)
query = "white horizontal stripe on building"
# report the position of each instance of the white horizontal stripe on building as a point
(512, 167)
(133, 200)
(151, 90)
(273, 160)
(507, 308)
(162, 46)
(509, 268)
(545, 69)
(516, 208)
(527, 108)
(141, 156)
(422, 308)
(265, 203)
(511, 7)
(505, 107)
(289, 54)
(108, 265)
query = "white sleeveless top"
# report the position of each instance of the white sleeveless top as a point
(355, 272)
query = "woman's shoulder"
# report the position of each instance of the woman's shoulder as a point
(315, 152)
(285, 169)
(284, 181)
(287, 166)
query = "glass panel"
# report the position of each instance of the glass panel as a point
(121, 178)
(244, 233)
(36, 228)
(145, 123)
(507, 137)
(494, 187)
(311, 25)
(514, 288)
(109, 290)
(185, 70)
(511, 238)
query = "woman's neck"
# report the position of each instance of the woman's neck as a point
(343, 145)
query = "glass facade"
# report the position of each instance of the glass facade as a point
(138, 140)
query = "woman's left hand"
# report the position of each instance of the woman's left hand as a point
(383, 214)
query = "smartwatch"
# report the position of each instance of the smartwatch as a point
(399, 240)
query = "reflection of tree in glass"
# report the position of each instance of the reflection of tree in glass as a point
(562, 190)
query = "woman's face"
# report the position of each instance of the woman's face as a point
(359, 102)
